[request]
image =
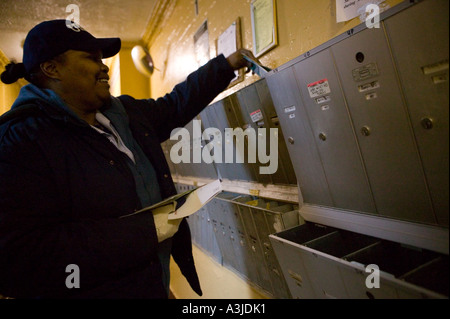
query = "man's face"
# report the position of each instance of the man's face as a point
(84, 79)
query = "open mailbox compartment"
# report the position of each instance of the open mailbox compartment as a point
(325, 262)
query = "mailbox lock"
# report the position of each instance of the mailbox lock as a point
(322, 136)
(427, 123)
(291, 140)
(365, 130)
(360, 57)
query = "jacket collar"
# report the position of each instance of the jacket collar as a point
(50, 103)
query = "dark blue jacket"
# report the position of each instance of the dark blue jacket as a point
(63, 187)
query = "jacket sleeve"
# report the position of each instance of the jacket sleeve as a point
(38, 239)
(187, 99)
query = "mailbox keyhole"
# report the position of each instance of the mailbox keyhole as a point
(360, 57)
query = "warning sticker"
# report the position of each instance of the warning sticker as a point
(319, 88)
(256, 116)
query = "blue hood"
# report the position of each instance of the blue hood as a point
(30, 94)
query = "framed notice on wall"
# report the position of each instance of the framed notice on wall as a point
(264, 26)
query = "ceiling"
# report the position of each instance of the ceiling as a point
(126, 19)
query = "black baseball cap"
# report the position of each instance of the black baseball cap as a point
(51, 38)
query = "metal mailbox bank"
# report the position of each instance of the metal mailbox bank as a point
(358, 207)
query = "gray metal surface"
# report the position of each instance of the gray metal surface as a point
(382, 127)
(420, 51)
(220, 115)
(324, 262)
(333, 133)
(299, 138)
(253, 99)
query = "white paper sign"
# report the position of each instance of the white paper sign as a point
(227, 43)
(349, 9)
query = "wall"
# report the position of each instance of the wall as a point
(113, 64)
(302, 26)
(124, 77)
(8, 92)
(131, 81)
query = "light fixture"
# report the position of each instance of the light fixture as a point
(142, 60)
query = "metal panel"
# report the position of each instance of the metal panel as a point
(383, 15)
(297, 263)
(242, 225)
(322, 257)
(294, 271)
(235, 229)
(285, 174)
(299, 139)
(226, 212)
(333, 133)
(256, 110)
(202, 169)
(220, 115)
(264, 230)
(420, 51)
(334, 262)
(223, 233)
(242, 244)
(384, 132)
(355, 284)
(327, 281)
(208, 239)
(233, 110)
(255, 245)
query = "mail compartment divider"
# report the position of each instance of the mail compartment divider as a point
(432, 275)
(324, 262)
(392, 258)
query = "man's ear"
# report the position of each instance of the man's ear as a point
(50, 69)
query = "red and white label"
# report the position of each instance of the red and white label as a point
(256, 116)
(319, 88)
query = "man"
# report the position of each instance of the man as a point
(80, 160)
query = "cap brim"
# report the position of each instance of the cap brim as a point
(108, 46)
